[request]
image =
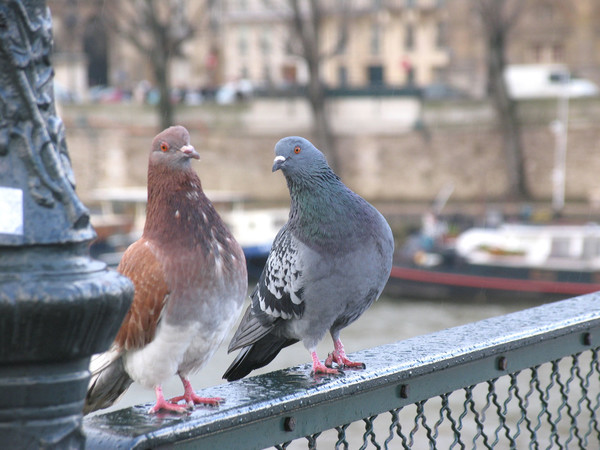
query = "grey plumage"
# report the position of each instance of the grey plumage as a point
(326, 267)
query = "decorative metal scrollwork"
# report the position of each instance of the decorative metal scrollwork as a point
(28, 120)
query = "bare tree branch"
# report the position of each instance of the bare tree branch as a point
(115, 13)
(498, 17)
(158, 29)
(307, 24)
(342, 38)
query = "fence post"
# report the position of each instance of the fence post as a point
(57, 305)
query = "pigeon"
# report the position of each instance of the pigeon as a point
(327, 265)
(190, 281)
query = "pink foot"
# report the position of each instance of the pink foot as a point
(192, 399)
(164, 405)
(319, 367)
(339, 357)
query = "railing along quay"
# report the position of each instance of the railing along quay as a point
(529, 379)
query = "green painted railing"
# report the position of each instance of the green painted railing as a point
(530, 379)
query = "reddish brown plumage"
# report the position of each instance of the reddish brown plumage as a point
(144, 270)
(181, 216)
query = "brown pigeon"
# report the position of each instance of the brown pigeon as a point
(190, 282)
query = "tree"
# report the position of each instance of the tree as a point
(158, 30)
(498, 18)
(307, 25)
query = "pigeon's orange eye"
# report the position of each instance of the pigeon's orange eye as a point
(164, 147)
(297, 149)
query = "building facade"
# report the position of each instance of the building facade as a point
(363, 43)
(543, 32)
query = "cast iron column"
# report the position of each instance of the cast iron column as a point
(57, 306)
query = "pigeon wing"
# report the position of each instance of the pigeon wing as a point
(140, 265)
(280, 287)
(277, 296)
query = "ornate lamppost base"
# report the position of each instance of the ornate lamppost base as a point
(57, 308)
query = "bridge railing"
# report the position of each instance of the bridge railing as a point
(529, 379)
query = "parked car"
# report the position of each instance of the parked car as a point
(546, 80)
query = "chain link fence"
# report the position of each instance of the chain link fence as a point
(549, 406)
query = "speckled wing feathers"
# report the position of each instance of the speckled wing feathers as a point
(277, 296)
(279, 291)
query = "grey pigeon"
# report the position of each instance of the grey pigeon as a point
(190, 283)
(327, 265)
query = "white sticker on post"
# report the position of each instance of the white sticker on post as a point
(11, 211)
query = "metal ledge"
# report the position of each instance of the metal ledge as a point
(281, 406)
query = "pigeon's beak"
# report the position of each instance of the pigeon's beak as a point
(189, 151)
(277, 163)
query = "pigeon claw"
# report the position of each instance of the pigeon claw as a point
(338, 356)
(326, 371)
(320, 368)
(165, 405)
(342, 361)
(211, 401)
(353, 364)
(191, 399)
(329, 360)
(194, 399)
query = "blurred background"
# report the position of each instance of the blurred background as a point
(450, 116)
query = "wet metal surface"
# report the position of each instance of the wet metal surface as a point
(282, 405)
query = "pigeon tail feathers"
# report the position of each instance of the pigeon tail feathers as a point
(251, 330)
(108, 383)
(256, 356)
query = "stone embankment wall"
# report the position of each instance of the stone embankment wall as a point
(389, 148)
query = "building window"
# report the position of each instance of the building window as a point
(558, 54)
(409, 37)
(410, 76)
(375, 39)
(375, 75)
(342, 42)
(342, 76)
(265, 41)
(545, 11)
(537, 52)
(440, 39)
(288, 73)
(267, 74)
(243, 42)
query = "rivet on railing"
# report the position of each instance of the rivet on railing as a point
(403, 391)
(289, 424)
(502, 363)
(587, 338)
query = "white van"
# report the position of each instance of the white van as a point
(546, 80)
